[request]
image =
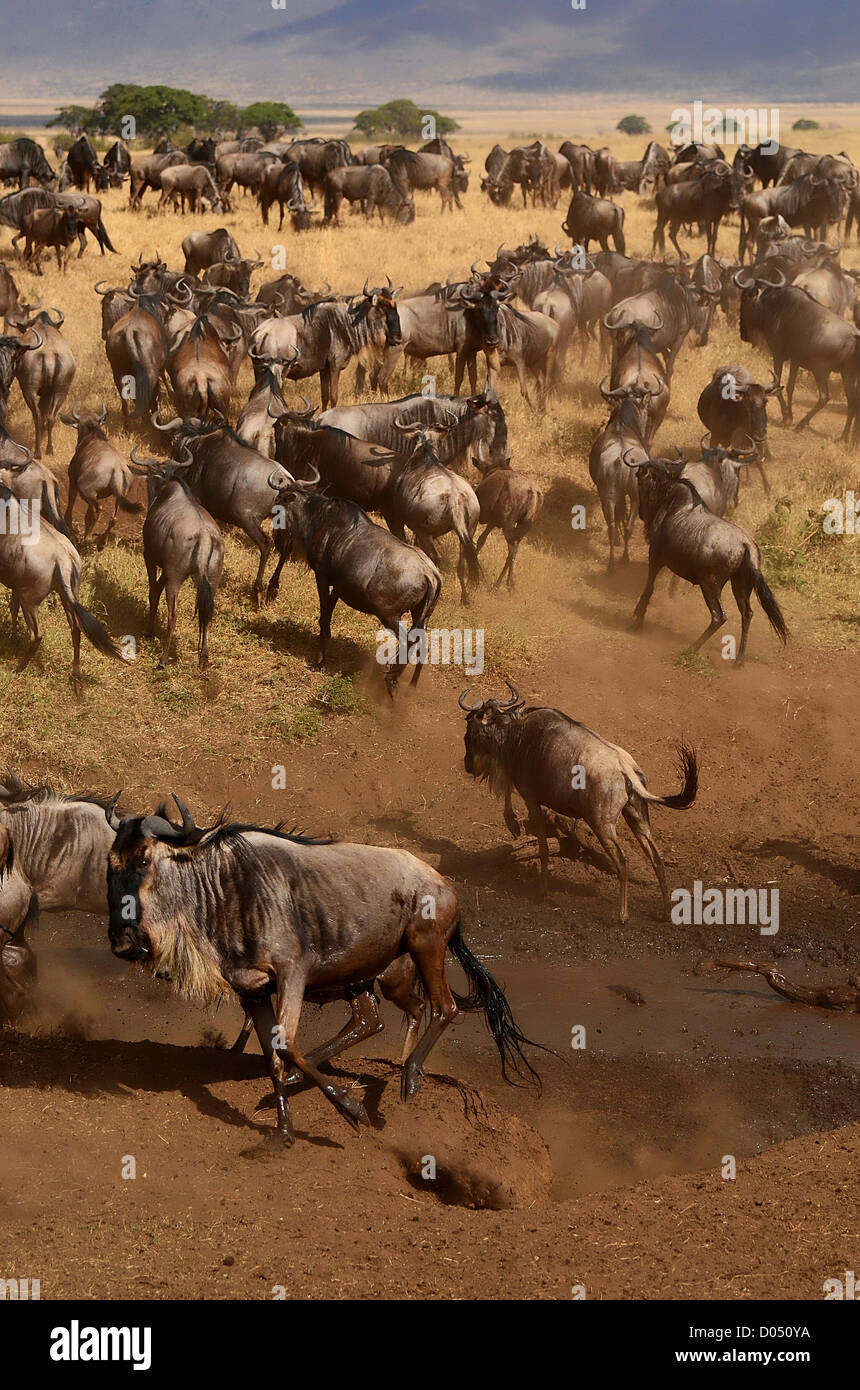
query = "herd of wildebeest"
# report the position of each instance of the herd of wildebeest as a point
(277, 917)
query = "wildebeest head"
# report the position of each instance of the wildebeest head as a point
(482, 302)
(656, 477)
(752, 287)
(491, 450)
(491, 728)
(152, 920)
(381, 302)
(86, 425)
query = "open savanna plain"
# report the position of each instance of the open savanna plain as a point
(611, 1179)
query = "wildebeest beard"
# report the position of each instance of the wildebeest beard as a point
(490, 749)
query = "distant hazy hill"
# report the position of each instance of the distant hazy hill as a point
(466, 50)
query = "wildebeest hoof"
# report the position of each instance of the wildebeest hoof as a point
(410, 1082)
(294, 1077)
(279, 1139)
(514, 826)
(352, 1110)
(272, 593)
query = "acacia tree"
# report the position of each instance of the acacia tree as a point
(633, 125)
(271, 118)
(402, 118)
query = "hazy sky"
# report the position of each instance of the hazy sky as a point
(467, 52)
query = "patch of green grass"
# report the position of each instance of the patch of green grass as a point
(696, 662)
(339, 695)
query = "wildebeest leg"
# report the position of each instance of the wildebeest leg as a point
(170, 596)
(14, 608)
(635, 814)
(264, 544)
(155, 587)
(512, 820)
(244, 1034)
(851, 387)
(91, 518)
(82, 242)
(788, 402)
(480, 540)
(674, 228)
(822, 381)
(711, 594)
(397, 983)
(31, 618)
(427, 942)
(461, 360)
(639, 612)
(262, 1015)
(508, 566)
(608, 838)
(291, 990)
(328, 602)
(111, 524)
(364, 1023)
(538, 823)
(741, 588)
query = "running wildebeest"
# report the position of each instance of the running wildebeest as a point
(685, 537)
(96, 471)
(559, 766)
(37, 561)
(298, 919)
(627, 429)
(358, 563)
(181, 540)
(734, 404)
(511, 503)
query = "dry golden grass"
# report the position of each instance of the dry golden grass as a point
(261, 688)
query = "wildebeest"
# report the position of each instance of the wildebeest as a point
(528, 342)
(685, 537)
(460, 321)
(117, 162)
(480, 434)
(23, 159)
(202, 249)
(12, 349)
(146, 173)
(559, 766)
(200, 371)
(84, 166)
(48, 228)
(671, 309)
(733, 405)
(810, 202)
(594, 219)
(35, 562)
(233, 482)
(581, 161)
(315, 919)
(627, 430)
(181, 540)
(830, 285)
(59, 864)
(716, 475)
(288, 294)
(316, 157)
(410, 171)
(281, 183)
(8, 291)
(247, 169)
(30, 480)
(797, 330)
(510, 502)
(765, 161)
(603, 174)
(191, 181)
(370, 185)
(136, 348)
(358, 563)
(97, 471)
(14, 207)
(330, 335)
(45, 374)
(706, 200)
(636, 366)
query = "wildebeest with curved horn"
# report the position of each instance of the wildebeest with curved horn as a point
(182, 541)
(23, 159)
(685, 537)
(594, 219)
(299, 919)
(358, 563)
(35, 562)
(97, 471)
(627, 429)
(45, 375)
(537, 752)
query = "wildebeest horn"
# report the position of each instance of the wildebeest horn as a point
(366, 287)
(515, 695)
(97, 287)
(31, 347)
(408, 426)
(28, 456)
(59, 320)
(611, 395)
(657, 327)
(171, 425)
(187, 819)
(478, 273)
(703, 446)
(775, 386)
(143, 463)
(275, 482)
(606, 324)
(632, 465)
(462, 698)
(103, 414)
(111, 816)
(740, 282)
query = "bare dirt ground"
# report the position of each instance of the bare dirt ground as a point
(612, 1178)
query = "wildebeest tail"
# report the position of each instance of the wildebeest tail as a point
(87, 621)
(763, 593)
(485, 994)
(470, 551)
(50, 513)
(688, 767)
(620, 244)
(329, 207)
(126, 506)
(204, 608)
(104, 239)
